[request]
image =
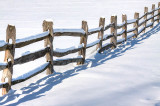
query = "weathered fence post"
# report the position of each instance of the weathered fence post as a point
(48, 42)
(114, 31)
(83, 40)
(145, 17)
(9, 58)
(135, 25)
(158, 17)
(152, 20)
(124, 20)
(100, 34)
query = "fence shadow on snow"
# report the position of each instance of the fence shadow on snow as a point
(57, 77)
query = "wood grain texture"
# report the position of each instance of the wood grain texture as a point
(114, 31)
(124, 20)
(83, 40)
(60, 54)
(135, 25)
(48, 42)
(9, 55)
(101, 33)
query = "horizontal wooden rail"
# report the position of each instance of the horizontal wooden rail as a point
(108, 26)
(120, 33)
(142, 16)
(31, 56)
(131, 21)
(141, 23)
(49, 33)
(105, 37)
(26, 76)
(3, 66)
(69, 32)
(93, 43)
(131, 35)
(67, 61)
(66, 52)
(131, 30)
(106, 47)
(120, 41)
(141, 30)
(3, 45)
(94, 30)
(32, 39)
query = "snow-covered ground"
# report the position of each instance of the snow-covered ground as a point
(126, 76)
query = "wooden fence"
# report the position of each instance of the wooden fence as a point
(49, 33)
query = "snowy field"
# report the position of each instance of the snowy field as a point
(126, 76)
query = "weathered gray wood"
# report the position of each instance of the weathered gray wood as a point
(142, 16)
(108, 26)
(24, 79)
(114, 31)
(67, 61)
(135, 25)
(108, 46)
(141, 30)
(120, 26)
(120, 33)
(3, 47)
(101, 33)
(108, 37)
(31, 56)
(74, 34)
(142, 23)
(124, 20)
(9, 55)
(158, 17)
(149, 25)
(83, 40)
(131, 30)
(60, 54)
(152, 20)
(48, 42)
(27, 42)
(3, 66)
(95, 30)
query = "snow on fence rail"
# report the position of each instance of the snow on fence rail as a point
(48, 34)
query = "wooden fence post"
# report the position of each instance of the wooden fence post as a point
(158, 17)
(124, 19)
(48, 42)
(83, 40)
(135, 25)
(114, 31)
(9, 58)
(145, 17)
(101, 33)
(152, 20)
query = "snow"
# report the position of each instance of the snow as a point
(129, 36)
(139, 31)
(121, 24)
(69, 30)
(105, 36)
(68, 49)
(131, 21)
(2, 43)
(121, 40)
(93, 43)
(33, 37)
(94, 29)
(121, 32)
(125, 76)
(130, 30)
(32, 72)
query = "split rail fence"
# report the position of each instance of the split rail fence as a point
(49, 33)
